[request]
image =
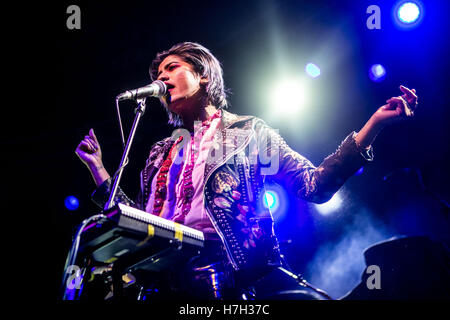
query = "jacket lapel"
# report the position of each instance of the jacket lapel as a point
(233, 135)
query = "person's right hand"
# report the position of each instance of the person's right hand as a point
(89, 151)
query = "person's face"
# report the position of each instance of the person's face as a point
(182, 81)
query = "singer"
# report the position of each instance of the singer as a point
(220, 195)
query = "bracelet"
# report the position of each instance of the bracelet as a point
(358, 146)
(361, 148)
(409, 110)
(365, 152)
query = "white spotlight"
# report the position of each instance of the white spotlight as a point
(331, 205)
(288, 97)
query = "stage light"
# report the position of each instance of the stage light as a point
(408, 12)
(288, 97)
(276, 200)
(360, 171)
(271, 200)
(331, 205)
(312, 70)
(377, 73)
(71, 203)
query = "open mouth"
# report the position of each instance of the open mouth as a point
(167, 97)
(169, 86)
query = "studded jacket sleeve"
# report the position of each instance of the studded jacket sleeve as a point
(101, 195)
(157, 152)
(315, 184)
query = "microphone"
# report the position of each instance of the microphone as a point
(155, 89)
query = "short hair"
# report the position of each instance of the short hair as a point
(204, 64)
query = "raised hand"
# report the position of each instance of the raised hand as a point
(398, 108)
(90, 154)
(89, 150)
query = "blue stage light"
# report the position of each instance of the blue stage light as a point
(276, 200)
(408, 12)
(270, 199)
(312, 70)
(377, 73)
(71, 203)
(360, 171)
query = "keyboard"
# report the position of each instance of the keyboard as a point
(142, 239)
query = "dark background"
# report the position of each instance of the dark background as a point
(81, 71)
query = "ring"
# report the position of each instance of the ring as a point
(409, 111)
(409, 106)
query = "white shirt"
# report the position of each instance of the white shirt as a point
(197, 217)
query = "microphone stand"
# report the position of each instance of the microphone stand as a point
(140, 109)
(72, 256)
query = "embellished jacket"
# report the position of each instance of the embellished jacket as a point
(245, 153)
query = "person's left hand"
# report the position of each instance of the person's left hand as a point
(397, 108)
